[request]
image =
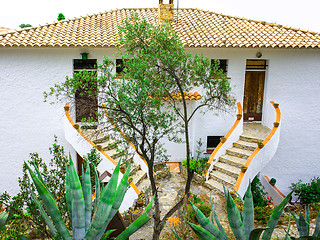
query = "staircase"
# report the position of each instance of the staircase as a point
(228, 167)
(111, 148)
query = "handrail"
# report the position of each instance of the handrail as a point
(77, 127)
(260, 146)
(223, 139)
(123, 135)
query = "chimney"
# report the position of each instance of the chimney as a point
(165, 11)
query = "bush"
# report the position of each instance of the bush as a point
(307, 192)
(198, 165)
(258, 193)
(204, 208)
(262, 214)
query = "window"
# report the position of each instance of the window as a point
(223, 64)
(256, 64)
(86, 104)
(119, 66)
(212, 142)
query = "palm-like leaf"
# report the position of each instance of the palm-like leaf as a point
(234, 218)
(50, 206)
(248, 212)
(87, 195)
(215, 216)
(206, 223)
(3, 218)
(316, 232)
(202, 233)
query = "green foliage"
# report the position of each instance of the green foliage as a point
(79, 200)
(303, 225)
(25, 213)
(258, 193)
(190, 214)
(61, 17)
(262, 214)
(23, 25)
(242, 224)
(198, 165)
(307, 192)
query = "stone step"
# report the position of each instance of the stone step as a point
(113, 153)
(232, 160)
(237, 152)
(223, 178)
(95, 135)
(216, 186)
(138, 177)
(227, 169)
(245, 145)
(107, 145)
(252, 139)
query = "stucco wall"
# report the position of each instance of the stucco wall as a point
(28, 124)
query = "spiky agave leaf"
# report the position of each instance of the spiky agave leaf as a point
(206, 223)
(215, 216)
(104, 206)
(286, 237)
(50, 205)
(87, 195)
(276, 213)
(234, 218)
(316, 232)
(248, 212)
(77, 203)
(202, 233)
(3, 218)
(121, 191)
(138, 223)
(256, 233)
(176, 235)
(97, 183)
(68, 193)
(45, 216)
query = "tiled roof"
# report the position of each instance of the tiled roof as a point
(196, 28)
(4, 30)
(189, 96)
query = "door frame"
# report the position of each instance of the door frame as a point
(256, 68)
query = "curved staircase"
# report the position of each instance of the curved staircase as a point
(227, 170)
(109, 147)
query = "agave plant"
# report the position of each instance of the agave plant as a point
(303, 225)
(242, 224)
(3, 218)
(80, 205)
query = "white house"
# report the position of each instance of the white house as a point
(264, 62)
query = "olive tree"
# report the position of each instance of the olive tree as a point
(144, 101)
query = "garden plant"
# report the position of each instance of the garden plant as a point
(81, 206)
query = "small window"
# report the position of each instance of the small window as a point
(80, 64)
(223, 64)
(212, 142)
(119, 66)
(256, 64)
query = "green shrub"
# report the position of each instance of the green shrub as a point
(262, 214)
(307, 192)
(198, 165)
(258, 193)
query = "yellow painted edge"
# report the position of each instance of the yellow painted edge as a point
(101, 151)
(226, 137)
(255, 152)
(275, 187)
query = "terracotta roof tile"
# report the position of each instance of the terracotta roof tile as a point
(196, 28)
(189, 96)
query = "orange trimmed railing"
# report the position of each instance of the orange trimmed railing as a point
(275, 188)
(77, 127)
(223, 139)
(260, 145)
(124, 136)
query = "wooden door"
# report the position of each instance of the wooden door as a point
(253, 95)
